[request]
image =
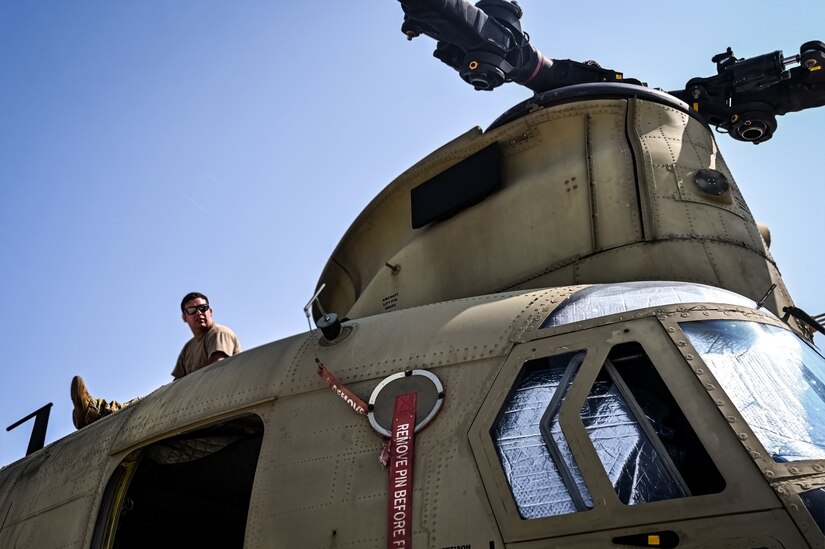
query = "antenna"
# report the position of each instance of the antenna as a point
(765, 297)
(41, 422)
(328, 322)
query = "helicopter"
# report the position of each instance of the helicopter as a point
(557, 401)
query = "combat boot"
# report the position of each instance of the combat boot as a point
(86, 409)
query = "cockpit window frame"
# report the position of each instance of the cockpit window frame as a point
(596, 338)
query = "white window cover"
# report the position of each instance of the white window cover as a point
(535, 478)
(607, 299)
(774, 378)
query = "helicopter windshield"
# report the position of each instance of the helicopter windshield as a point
(774, 378)
(607, 299)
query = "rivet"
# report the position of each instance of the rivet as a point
(706, 313)
(720, 402)
(793, 470)
(689, 356)
(781, 491)
(731, 419)
(710, 386)
(794, 507)
(681, 343)
(756, 455)
(685, 315)
(743, 436)
(671, 329)
(699, 371)
(817, 467)
(769, 474)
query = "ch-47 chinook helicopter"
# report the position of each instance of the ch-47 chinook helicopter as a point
(566, 330)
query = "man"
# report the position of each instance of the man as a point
(210, 343)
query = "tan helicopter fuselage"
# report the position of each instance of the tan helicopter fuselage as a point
(256, 451)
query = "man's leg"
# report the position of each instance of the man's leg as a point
(88, 409)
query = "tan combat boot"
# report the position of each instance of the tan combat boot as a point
(85, 407)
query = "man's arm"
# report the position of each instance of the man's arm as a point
(216, 356)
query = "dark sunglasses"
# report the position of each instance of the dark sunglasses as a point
(195, 308)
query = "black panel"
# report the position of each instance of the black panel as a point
(459, 187)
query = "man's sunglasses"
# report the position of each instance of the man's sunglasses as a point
(195, 308)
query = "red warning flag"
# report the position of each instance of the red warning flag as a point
(349, 397)
(400, 500)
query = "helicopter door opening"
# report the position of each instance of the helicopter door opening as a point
(191, 490)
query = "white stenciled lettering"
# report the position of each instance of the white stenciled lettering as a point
(352, 404)
(400, 488)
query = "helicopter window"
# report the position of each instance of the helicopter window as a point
(626, 449)
(814, 501)
(607, 299)
(646, 445)
(774, 378)
(543, 477)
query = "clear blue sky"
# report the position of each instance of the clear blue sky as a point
(152, 148)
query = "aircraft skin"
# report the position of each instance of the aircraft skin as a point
(596, 191)
(593, 191)
(318, 482)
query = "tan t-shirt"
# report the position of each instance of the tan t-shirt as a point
(195, 354)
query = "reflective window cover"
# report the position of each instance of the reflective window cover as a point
(535, 477)
(536, 457)
(607, 299)
(774, 378)
(635, 468)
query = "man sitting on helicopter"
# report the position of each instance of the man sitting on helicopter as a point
(210, 343)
